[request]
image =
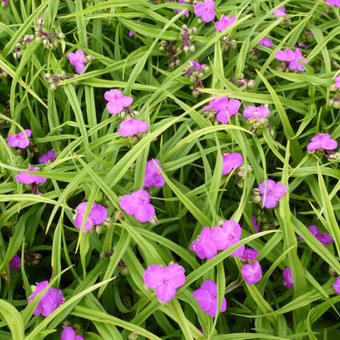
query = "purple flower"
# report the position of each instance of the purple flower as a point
(322, 141)
(165, 280)
(226, 236)
(77, 60)
(336, 285)
(180, 10)
(27, 178)
(254, 222)
(256, 112)
(280, 12)
(271, 193)
(116, 101)
(224, 23)
(232, 108)
(265, 42)
(206, 296)
(97, 215)
(333, 3)
(231, 161)
(337, 82)
(50, 156)
(224, 107)
(249, 254)
(292, 58)
(205, 10)
(204, 246)
(152, 174)
(132, 127)
(15, 263)
(217, 104)
(50, 301)
(252, 273)
(20, 140)
(287, 278)
(69, 333)
(137, 204)
(324, 238)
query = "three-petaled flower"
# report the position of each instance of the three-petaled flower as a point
(20, 140)
(152, 174)
(322, 141)
(50, 301)
(116, 101)
(96, 216)
(292, 58)
(132, 127)
(231, 161)
(137, 204)
(206, 296)
(252, 273)
(271, 193)
(224, 22)
(77, 60)
(165, 280)
(205, 10)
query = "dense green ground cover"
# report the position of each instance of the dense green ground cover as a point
(100, 272)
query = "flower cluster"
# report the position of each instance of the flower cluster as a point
(218, 238)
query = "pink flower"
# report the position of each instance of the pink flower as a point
(77, 60)
(204, 246)
(292, 58)
(336, 285)
(280, 12)
(217, 104)
(254, 222)
(152, 174)
(205, 10)
(271, 193)
(206, 296)
(333, 3)
(337, 81)
(252, 273)
(50, 301)
(50, 156)
(165, 280)
(224, 23)
(20, 140)
(116, 101)
(97, 215)
(231, 161)
(324, 238)
(322, 141)
(287, 278)
(265, 42)
(226, 236)
(69, 333)
(27, 178)
(256, 112)
(132, 127)
(137, 204)
(180, 10)
(249, 254)
(224, 107)
(15, 263)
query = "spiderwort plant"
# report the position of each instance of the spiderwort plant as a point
(293, 60)
(152, 175)
(30, 179)
(138, 205)
(132, 128)
(165, 280)
(271, 193)
(97, 216)
(20, 140)
(77, 59)
(206, 296)
(68, 333)
(252, 273)
(195, 71)
(205, 10)
(117, 102)
(49, 302)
